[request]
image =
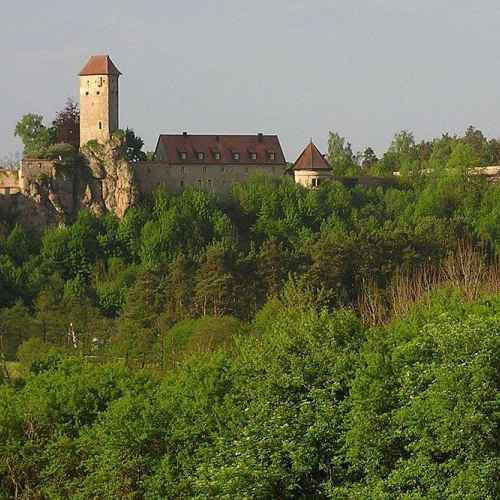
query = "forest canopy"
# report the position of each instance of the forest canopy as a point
(275, 342)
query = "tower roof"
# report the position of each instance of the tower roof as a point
(311, 159)
(99, 65)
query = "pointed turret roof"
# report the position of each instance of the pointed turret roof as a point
(99, 65)
(311, 159)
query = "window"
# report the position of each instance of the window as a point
(236, 156)
(183, 170)
(253, 156)
(246, 170)
(271, 155)
(100, 125)
(99, 82)
(315, 182)
(222, 169)
(201, 156)
(199, 182)
(204, 170)
(98, 93)
(87, 93)
(217, 155)
(182, 184)
(209, 183)
(183, 155)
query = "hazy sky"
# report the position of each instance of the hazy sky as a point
(364, 68)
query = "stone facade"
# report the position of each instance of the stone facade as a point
(217, 178)
(98, 100)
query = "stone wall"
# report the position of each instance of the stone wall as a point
(9, 182)
(217, 178)
(34, 169)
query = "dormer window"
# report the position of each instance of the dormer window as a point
(253, 155)
(236, 156)
(183, 155)
(200, 156)
(271, 155)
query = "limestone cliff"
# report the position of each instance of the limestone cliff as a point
(53, 191)
(108, 183)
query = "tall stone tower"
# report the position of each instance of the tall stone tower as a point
(98, 99)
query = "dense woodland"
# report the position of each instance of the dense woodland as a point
(276, 342)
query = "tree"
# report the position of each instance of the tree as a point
(340, 153)
(369, 158)
(179, 290)
(138, 324)
(35, 135)
(402, 143)
(67, 124)
(134, 144)
(214, 290)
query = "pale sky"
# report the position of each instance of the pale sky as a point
(363, 68)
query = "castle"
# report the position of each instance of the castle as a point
(209, 162)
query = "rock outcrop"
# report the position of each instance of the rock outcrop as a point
(109, 184)
(99, 179)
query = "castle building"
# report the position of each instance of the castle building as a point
(98, 99)
(210, 162)
(311, 167)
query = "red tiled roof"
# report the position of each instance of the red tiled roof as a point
(247, 146)
(311, 159)
(99, 65)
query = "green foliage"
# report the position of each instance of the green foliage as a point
(35, 135)
(311, 404)
(238, 372)
(194, 337)
(134, 144)
(32, 353)
(340, 155)
(424, 405)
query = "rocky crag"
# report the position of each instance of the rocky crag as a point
(99, 179)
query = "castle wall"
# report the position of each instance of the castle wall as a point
(9, 182)
(217, 178)
(34, 169)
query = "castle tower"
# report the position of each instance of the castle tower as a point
(311, 167)
(98, 99)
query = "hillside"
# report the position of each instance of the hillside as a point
(273, 342)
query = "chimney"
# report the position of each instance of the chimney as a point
(260, 136)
